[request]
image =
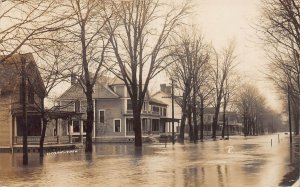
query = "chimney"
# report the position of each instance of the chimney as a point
(73, 78)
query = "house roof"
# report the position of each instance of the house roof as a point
(10, 73)
(177, 99)
(73, 92)
(157, 102)
(102, 91)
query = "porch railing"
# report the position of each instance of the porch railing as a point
(48, 139)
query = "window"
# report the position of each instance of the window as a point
(101, 116)
(117, 125)
(76, 126)
(164, 112)
(30, 94)
(129, 124)
(129, 104)
(77, 106)
(84, 126)
(155, 124)
(155, 108)
(83, 106)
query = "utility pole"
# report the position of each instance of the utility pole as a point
(24, 110)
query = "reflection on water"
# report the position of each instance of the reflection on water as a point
(237, 162)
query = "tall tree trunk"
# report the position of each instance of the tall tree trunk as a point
(295, 112)
(90, 119)
(24, 108)
(245, 125)
(201, 119)
(196, 134)
(138, 141)
(191, 130)
(215, 121)
(44, 127)
(183, 118)
(182, 125)
(224, 121)
(194, 110)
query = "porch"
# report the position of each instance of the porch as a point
(59, 129)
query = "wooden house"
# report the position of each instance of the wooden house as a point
(11, 94)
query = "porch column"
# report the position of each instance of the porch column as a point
(57, 131)
(125, 124)
(81, 131)
(70, 130)
(15, 125)
(13, 134)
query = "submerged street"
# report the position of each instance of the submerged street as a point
(241, 161)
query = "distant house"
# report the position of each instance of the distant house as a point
(113, 119)
(234, 126)
(11, 93)
(165, 95)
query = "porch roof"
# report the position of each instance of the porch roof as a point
(64, 114)
(53, 114)
(166, 119)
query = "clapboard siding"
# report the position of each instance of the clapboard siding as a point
(5, 123)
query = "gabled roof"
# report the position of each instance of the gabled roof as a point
(157, 102)
(102, 91)
(73, 92)
(10, 73)
(178, 100)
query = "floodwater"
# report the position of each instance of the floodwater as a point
(236, 162)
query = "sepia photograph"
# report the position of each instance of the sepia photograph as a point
(150, 93)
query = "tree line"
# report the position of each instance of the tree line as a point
(279, 30)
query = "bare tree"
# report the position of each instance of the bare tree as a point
(223, 67)
(279, 26)
(22, 21)
(87, 43)
(52, 70)
(191, 55)
(252, 106)
(140, 33)
(230, 90)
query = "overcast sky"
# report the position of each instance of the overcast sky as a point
(223, 20)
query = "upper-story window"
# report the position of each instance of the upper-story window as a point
(155, 109)
(164, 112)
(77, 106)
(129, 104)
(101, 116)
